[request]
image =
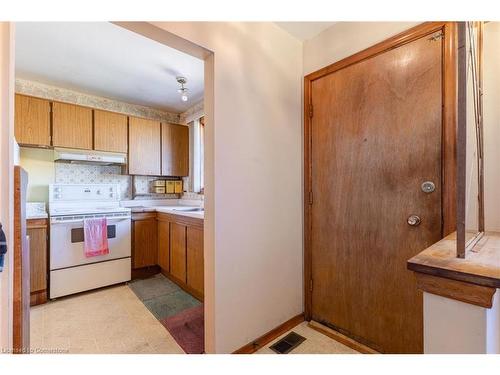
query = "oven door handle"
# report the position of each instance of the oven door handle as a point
(110, 219)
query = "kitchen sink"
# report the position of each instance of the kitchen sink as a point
(189, 209)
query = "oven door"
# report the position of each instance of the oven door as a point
(66, 242)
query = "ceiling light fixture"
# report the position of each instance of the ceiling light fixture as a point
(183, 90)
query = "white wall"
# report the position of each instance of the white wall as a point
(493, 324)
(454, 327)
(39, 164)
(6, 175)
(491, 126)
(257, 191)
(346, 38)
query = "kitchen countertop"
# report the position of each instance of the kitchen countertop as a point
(36, 210)
(481, 266)
(41, 216)
(165, 206)
(169, 210)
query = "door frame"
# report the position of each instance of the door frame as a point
(7, 30)
(449, 132)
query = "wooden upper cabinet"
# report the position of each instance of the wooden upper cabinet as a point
(32, 121)
(144, 147)
(174, 150)
(110, 131)
(71, 126)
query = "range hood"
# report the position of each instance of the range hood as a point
(75, 156)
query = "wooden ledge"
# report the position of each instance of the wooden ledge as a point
(480, 267)
(454, 289)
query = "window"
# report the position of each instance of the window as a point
(197, 167)
(202, 154)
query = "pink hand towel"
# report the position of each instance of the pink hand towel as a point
(95, 237)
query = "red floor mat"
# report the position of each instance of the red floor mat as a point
(187, 328)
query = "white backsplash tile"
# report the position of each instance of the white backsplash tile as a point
(189, 195)
(66, 173)
(93, 174)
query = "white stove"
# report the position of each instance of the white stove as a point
(76, 199)
(70, 270)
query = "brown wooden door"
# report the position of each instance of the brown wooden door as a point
(71, 126)
(375, 138)
(32, 121)
(144, 147)
(110, 131)
(174, 150)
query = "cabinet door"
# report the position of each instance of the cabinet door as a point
(38, 259)
(110, 131)
(145, 243)
(174, 150)
(144, 147)
(194, 246)
(178, 251)
(164, 245)
(32, 121)
(71, 126)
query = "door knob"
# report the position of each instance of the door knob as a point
(413, 220)
(428, 187)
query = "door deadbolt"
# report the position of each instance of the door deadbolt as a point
(413, 220)
(428, 187)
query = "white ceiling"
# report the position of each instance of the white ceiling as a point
(304, 30)
(103, 59)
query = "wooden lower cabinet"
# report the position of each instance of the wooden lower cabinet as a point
(180, 251)
(164, 245)
(144, 240)
(37, 232)
(194, 246)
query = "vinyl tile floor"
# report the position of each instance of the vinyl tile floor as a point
(315, 343)
(162, 297)
(112, 320)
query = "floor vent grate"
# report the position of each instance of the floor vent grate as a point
(287, 343)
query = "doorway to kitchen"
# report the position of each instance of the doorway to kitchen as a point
(100, 156)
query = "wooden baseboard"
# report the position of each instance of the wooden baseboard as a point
(38, 298)
(270, 336)
(343, 339)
